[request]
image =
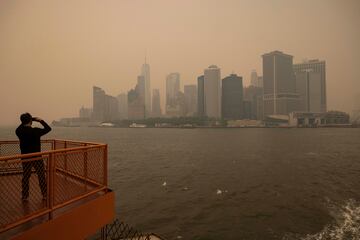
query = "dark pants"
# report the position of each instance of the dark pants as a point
(40, 171)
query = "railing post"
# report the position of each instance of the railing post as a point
(105, 165)
(104, 232)
(85, 168)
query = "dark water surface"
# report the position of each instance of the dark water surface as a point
(232, 183)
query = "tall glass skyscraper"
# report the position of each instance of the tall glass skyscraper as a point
(145, 72)
(174, 97)
(190, 94)
(200, 96)
(156, 109)
(212, 90)
(280, 97)
(232, 97)
(311, 85)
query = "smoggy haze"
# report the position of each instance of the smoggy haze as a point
(53, 52)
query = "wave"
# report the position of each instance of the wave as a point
(346, 224)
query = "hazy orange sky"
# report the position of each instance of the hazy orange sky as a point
(53, 52)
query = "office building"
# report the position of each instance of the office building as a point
(232, 97)
(190, 94)
(136, 100)
(141, 89)
(280, 97)
(212, 91)
(173, 96)
(260, 82)
(98, 103)
(123, 105)
(254, 95)
(200, 96)
(156, 109)
(85, 112)
(247, 109)
(311, 85)
(105, 107)
(145, 72)
(254, 78)
(172, 87)
(309, 119)
(111, 111)
(178, 107)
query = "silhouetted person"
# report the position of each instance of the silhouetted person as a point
(30, 143)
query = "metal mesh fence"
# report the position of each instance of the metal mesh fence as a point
(59, 145)
(41, 182)
(77, 173)
(9, 148)
(23, 188)
(94, 167)
(119, 230)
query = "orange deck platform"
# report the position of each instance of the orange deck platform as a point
(77, 202)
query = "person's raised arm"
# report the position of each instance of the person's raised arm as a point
(42, 131)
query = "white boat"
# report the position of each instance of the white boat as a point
(107, 125)
(135, 125)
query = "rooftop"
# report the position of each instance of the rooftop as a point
(276, 52)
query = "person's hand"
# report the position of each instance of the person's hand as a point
(37, 119)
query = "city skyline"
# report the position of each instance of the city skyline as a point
(285, 88)
(67, 56)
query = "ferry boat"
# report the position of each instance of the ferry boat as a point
(78, 203)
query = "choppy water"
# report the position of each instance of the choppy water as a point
(233, 183)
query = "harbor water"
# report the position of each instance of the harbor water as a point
(232, 183)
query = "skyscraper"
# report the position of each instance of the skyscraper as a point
(254, 96)
(123, 105)
(111, 111)
(98, 104)
(141, 89)
(136, 100)
(254, 78)
(311, 85)
(156, 109)
(212, 90)
(200, 97)
(232, 97)
(105, 107)
(173, 95)
(280, 96)
(260, 82)
(145, 72)
(190, 93)
(172, 87)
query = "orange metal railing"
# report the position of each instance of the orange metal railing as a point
(72, 171)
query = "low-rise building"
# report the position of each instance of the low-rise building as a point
(311, 119)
